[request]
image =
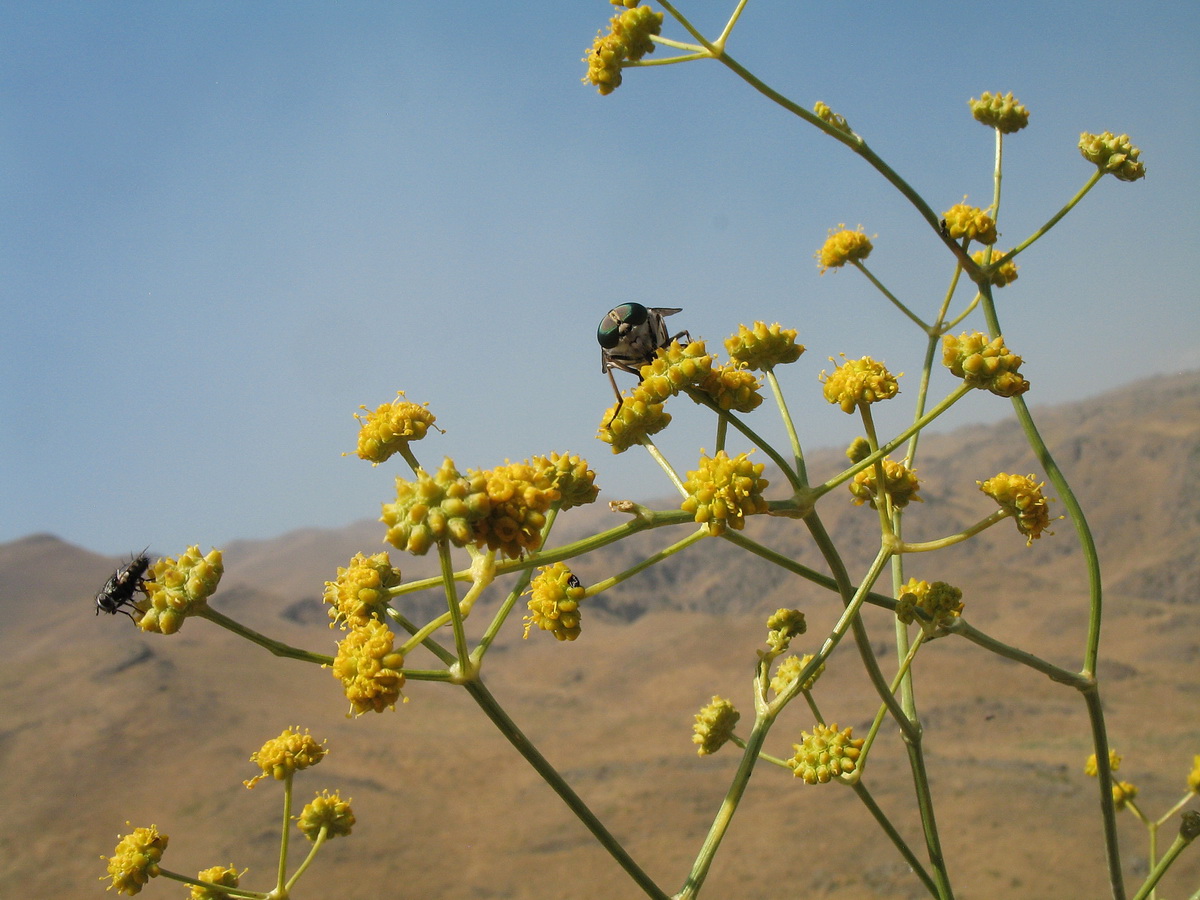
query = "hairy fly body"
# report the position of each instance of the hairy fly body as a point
(118, 592)
(630, 336)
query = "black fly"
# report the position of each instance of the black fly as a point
(630, 335)
(118, 591)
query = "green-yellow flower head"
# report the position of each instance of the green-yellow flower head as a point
(714, 726)
(783, 625)
(327, 811)
(554, 602)
(1123, 792)
(179, 588)
(444, 507)
(899, 482)
(135, 861)
(984, 364)
(971, 222)
(1021, 497)
(1113, 155)
(732, 389)
(283, 756)
(390, 427)
(999, 111)
(1193, 779)
(859, 449)
(1002, 272)
(763, 347)
(723, 491)
(571, 477)
(519, 495)
(790, 669)
(825, 754)
(361, 590)
(368, 666)
(673, 369)
(843, 246)
(940, 601)
(637, 418)
(628, 40)
(859, 381)
(219, 877)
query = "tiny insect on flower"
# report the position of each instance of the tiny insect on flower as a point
(629, 336)
(119, 590)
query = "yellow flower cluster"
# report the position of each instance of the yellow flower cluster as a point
(859, 381)
(179, 588)
(1092, 769)
(971, 222)
(899, 482)
(135, 861)
(789, 670)
(369, 668)
(390, 427)
(571, 477)
(361, 590)
(764, 346)
(282, 757)
(628, 40)
(825, 754)
(1113, 154)
(1193, 779)
(219, 877)
(984, 364)
(783, 625)
(1002, 272)
(326, 811)
(1021, 497)
(732, 388)
(714, 726)
(519, 496)
(999, 111)
(673, 369)
(636, 418)
(723, 491)
(554, 602)
(843, 246)
(444, 507)
(940, 601)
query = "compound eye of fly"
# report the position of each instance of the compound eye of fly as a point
(620, 319)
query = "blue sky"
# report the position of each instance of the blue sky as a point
(226, 225)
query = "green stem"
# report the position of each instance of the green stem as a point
(277, 647)
(793, 437)
(230, 891)
(507, 727)
(1082, 192)
(308, 860)
(1181, 841)
(281, 872)
(858, 264)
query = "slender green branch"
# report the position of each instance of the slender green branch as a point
(790, 426)
(885, 823)
(1054, 219)
(858, 264)
(277, 647)
(507, 727)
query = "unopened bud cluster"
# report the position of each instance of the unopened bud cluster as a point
(900, 483)
(939, 601)
(825, 754)
(219, 877)
(732, 389)
(180, 588)
(764, 346)
(825, 114)
(636, 419)
(1002, 272)
(789, 670)
(326, 811)
(984, 364)
(674, 368)
(724, 490)
(1113, 154)
(1021, 497)
(783, 625)
(714, 726)
(361, 590)
(431, 509)
(369, 668)
(859, 381)
(999, 111)
(554, 602)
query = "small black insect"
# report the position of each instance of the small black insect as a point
(118, 592)
(629, 337)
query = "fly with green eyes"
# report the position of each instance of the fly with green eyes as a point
(630, 335)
